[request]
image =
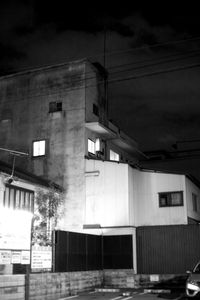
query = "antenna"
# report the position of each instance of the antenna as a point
(105, 76)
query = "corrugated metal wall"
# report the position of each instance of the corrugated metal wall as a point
(77, 252)
(169, 249)
(118, 252)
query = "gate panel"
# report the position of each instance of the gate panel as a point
(169, 249)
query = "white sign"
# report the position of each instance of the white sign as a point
(41, 258)
(25, 257)
(15, 229)
(16, 257)
(154, 278)
(5, 257)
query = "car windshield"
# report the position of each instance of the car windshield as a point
(197, 269)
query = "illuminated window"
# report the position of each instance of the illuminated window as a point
(194, 202)
(18, 198)
(97, 145)
(39, 148)
(91, 146)
(170, 199)
(114, 155)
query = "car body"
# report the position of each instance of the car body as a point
(193, 282)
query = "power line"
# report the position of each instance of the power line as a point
(111, 81)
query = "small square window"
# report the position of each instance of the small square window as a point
(55, 106)
(39, 148)
(91, 146)
(114, 156)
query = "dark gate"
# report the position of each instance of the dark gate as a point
(169, 249)
(82, 252)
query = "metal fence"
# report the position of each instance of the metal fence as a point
(169, 249)
(83, 252)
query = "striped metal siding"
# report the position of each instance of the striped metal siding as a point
(77, 252)
(118, 252)
(169, 249)
(81, 252)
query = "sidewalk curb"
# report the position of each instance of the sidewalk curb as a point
(157, 291)
(107, 290)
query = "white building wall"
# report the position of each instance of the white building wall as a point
(146, 186)
(106, 193)
(190, 189)
(119, 195)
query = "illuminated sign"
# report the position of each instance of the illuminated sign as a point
(5, 257)
(41, 258)
(15, 229)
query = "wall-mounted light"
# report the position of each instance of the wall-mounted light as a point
(92, 173)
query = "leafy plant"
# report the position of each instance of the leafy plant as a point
(48, 208)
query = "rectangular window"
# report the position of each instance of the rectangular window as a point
(194, 202)
(91, 146)
(18, 198)
(97, 145)
(170, 199)
(55, 106)
(114, 156)
(39, 148)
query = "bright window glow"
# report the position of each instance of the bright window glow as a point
(91, 146)
(38, 148)
(114, 156)
(97, 145)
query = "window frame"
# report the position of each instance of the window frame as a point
(17, 197)
(194, 202)
(92, 143)
(169, 200)
(115, 154)
(38, 141)
(55, 106)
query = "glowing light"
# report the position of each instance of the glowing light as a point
(15, 229)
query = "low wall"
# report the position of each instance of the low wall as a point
(53, 286)
(48, 286)
(128, 279)
(12, 287)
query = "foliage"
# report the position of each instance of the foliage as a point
(47, 211)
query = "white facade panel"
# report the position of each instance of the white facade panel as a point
(106, 193)
(146, 187)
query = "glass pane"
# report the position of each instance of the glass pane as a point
(32, 202)
(163, 200)
(176, 199)
(91, 146)
(6, 197)
(17, 199)
(39, 148)
(12, 198)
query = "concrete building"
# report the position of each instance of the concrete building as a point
(59, 115)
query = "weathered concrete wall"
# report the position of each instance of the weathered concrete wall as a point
(48, 286)
(128, 279)
(53, 286)
(12, 287)
(25, 117)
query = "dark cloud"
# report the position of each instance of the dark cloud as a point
(142, 40)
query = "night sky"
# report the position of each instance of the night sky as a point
(151, 54)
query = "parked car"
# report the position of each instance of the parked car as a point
(193, 282)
